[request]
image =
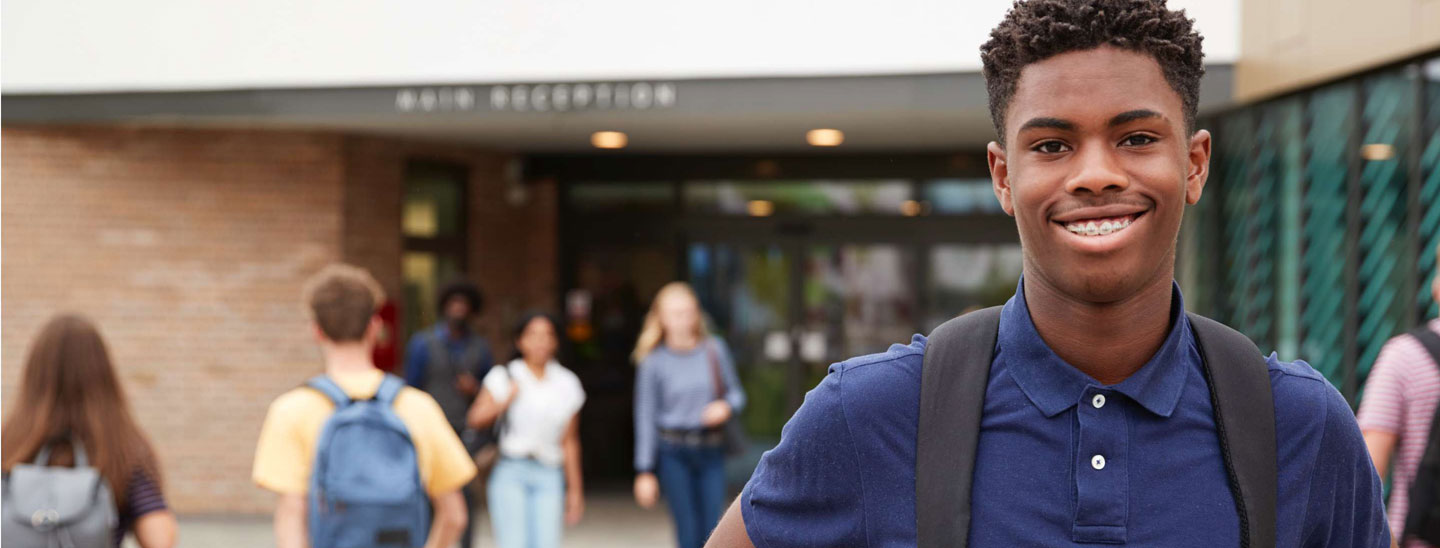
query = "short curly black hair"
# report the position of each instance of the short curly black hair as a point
(1035, 30)
(461, 288)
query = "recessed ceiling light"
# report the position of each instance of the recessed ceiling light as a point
(760, 208)
(609, 139)
(911, 208)
(825, 137)
(1377, 151)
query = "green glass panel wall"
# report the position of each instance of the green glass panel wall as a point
(1428, 225)
(1330, 116)
(1385, 265)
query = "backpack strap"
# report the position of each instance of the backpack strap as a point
(954, 374)
(1428, 339)
(1240, 392)
(326, 386)
(77, 450)
(390, 387)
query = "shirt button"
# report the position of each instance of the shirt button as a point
(1097, 462)
(1098, 401)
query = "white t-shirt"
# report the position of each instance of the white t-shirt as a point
(536, 421)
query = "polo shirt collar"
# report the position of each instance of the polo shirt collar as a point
(1053, 385)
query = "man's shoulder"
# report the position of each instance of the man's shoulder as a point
(889, 379)
(301, 401)
(1309, 410)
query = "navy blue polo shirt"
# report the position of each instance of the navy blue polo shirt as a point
(1062, 460)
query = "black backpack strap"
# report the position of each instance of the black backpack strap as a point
(1428, 339)
(1244, 405)
(954, 374)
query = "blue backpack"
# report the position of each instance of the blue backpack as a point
(365, 489)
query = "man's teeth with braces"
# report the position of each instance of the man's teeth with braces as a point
(1102, 228)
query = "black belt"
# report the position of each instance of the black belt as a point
(693, 437)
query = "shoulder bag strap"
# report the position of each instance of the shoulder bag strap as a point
(953, 377)
(1244, 405)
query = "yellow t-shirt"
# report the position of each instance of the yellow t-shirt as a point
(287, 440)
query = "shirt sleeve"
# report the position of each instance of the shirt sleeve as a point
(806, 491)
(497, 383)
(416, 356)
(1383, 407)
(1346, 506)
(646, 430)
(142, 497)
(282, 463)
(450, 465)
(734, 391)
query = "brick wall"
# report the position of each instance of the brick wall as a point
(188, 248)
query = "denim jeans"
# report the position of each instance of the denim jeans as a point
(693, 482)
(527, 504)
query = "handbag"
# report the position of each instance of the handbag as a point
(736, 442)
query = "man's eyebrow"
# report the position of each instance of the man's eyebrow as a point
(1133, 115)
(1045, 122)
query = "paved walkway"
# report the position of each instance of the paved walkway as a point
(611, 521)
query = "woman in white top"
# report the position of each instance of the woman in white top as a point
(537, 481)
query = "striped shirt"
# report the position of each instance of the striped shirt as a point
(142, 497)
(1401, 395)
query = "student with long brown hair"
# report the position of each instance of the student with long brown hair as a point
(69, 394)
(685, 392)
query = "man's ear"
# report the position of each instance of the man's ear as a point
(1199, 166)
(318, 333)
(1000, 176)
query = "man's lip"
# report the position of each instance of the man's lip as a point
(1099, 212)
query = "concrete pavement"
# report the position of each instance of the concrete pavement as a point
(611, 521)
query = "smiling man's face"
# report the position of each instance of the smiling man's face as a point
(1097, 169)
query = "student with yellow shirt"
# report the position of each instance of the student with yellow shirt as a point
(341, 300)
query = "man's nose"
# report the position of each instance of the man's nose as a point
(1098, 171)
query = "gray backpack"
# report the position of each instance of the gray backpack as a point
(58, 507)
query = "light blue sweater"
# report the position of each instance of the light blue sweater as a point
(672, 388)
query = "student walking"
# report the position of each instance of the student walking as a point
(356, 457)
(685, 392)
(72, 412)
(448, 360)
(536, 487)
(1091, 408)
(1397, 415)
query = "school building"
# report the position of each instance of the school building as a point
(819, 177)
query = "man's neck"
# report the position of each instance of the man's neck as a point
(1108, 341)
(347, 358)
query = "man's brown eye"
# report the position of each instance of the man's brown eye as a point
(1139, 140)
(1050, 147)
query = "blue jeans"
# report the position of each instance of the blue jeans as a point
(693, 481)
(527, 504)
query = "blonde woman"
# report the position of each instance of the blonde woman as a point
(680, 413)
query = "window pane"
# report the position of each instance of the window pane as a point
(961, 196)
(423, 273)
(434, 202)
(593, 196)
(1384, 269)
(965, 277)
(1331, 122)
(886, 197)
(1429, 188)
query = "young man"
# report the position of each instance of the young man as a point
(1401, 396)
(341, 301)
(1097, 424)
(447, 361)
